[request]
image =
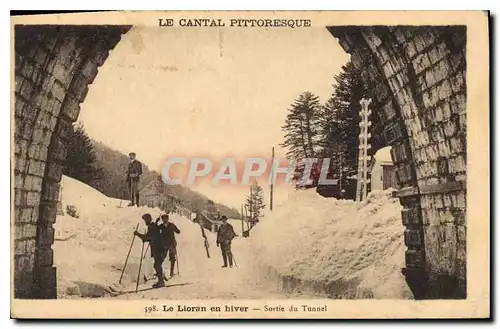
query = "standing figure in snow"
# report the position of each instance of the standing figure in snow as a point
(155, 239)
(225, 235)
(168, 231)
(134, 172)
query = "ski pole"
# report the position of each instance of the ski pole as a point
(177, 257)
(139, 273)
(146, 252)
(128, 255)
(234, 259)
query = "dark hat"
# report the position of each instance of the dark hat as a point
(223, 217)
(131, 154)
(164, 216)
(147, 216)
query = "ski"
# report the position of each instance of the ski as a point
(205, 242)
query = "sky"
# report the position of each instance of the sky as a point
(207, 92)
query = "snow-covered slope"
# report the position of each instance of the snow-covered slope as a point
(354, 249)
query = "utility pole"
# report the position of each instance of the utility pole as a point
(251, 205)
(272, 182)
(364, 146)
(242, 219)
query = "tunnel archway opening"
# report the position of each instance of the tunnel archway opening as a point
(415, 74)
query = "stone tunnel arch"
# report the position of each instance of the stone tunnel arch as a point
(418, 79)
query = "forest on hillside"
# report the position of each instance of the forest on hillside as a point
(96, 164)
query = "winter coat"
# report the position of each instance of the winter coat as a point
(168, 234)
(153, 236)
(225, 234)
(134, 167)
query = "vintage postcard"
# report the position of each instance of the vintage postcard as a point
(286, 164)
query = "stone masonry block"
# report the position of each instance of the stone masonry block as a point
(58, 91)
(50, 191)
(48, 282)
(27, 70)
(88, 69)
(33, 183)
(49, 212)
(45, 257)
(421, 63)
(59, 151)
(41, 56)
(437, 73)
(19, 106)
(438, 52)
(48, 83)
(54, 172)
(36, 167)
(423, 40)
(45, 237)
(458, 104)
(457, 61)
(71, 108)
(61, 74)
(27, 231)
(20, 164)
(32, 198)
(458, 201)
(24, 263)
(458, 82)
(64, 128)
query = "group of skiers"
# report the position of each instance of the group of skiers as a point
(162, 242)
(161, 236)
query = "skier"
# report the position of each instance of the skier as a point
(168, 231)
(225, 235)
(134, 172)
(153, 236)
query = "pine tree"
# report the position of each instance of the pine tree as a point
(81, 159)
(255, 202)
(302, 129)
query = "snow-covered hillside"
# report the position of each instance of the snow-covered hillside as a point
(352, 249)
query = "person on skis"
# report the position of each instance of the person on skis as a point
(155, 239)
(134, 172)
(225, 235)
(168, 231)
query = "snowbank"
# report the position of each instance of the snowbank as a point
(85, 199)
(339, 247)
(383, 155)
(89, 251)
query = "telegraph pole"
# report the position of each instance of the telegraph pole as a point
(364, 146)
(242, 219)
(272, 182)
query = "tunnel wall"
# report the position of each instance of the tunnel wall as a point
(419, 75)
(53, 67)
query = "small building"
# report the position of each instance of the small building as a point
(207, 222)
(151, 195)
(383, 171)
(154, 195)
